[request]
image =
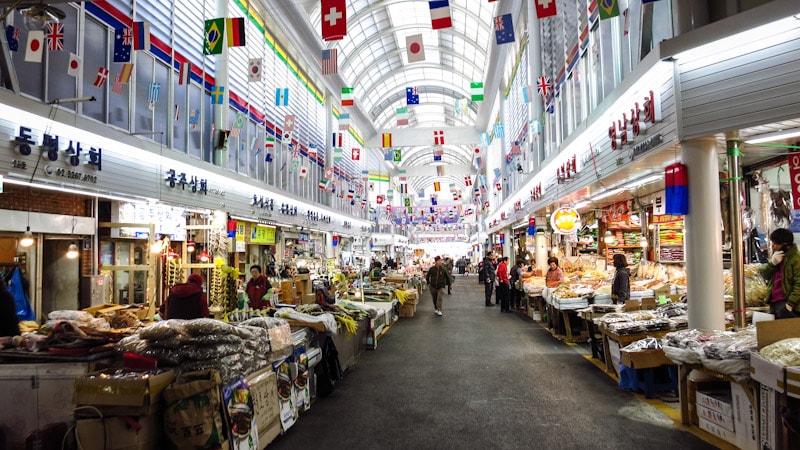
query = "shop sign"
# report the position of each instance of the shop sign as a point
(50, 150)
(347, 225)
(168, 220)
(317, 217)
(646, 145)
(259, 201)
(536, 192)
(666, 218)
(303, 238)
(240, 231)
(794, 176)
(625, 130)
(288, 210)
(659, 204)
(618, 212)
(262, 235)
(565, 220)
(196, 185)
(517, 205)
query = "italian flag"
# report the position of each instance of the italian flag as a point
(347, 96)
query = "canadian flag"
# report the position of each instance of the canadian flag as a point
(379, 200)
(356, 155)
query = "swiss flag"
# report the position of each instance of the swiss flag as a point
(356, 154)
(545, 8)
(334, 20)
(379, 199)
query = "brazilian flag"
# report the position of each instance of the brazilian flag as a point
(608, 8)
(215, 29)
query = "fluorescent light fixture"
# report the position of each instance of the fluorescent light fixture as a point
(643, 181)
(774, 136)
(580, 205)
(607, 194)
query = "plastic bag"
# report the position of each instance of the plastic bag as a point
(785, 352)
(23, 306)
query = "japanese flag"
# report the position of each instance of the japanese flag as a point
(75, 63)
(303, 172)
(35, 45)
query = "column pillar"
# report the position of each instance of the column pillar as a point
(534, 71)
(703, 236)
(329, 198)
(540, 254)
(329, 249)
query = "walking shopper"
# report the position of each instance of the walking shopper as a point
(782, 273)
(503, 284)
(516, 285)
(448, 265)
(487, 277)
(186, 300)
(437, 278)
(621, 286)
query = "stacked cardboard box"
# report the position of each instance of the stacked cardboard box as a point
(715, 413)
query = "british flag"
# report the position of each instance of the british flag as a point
(55, 36)
(543, 86)
(127, 36)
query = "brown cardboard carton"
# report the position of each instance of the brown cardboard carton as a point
(264, 391)
(139, 395)
(121, 433)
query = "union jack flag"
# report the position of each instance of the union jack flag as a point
(543, 86)
(127, 36)
(498, 23)
(55, 36)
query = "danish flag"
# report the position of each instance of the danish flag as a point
(438, 137)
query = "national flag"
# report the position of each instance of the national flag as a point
(12, 36)
(312, 151)
(499, 130)
(398, 155)
(238, 125)
(294, 166)
(254, 73)
(338, 139)
(440, 14)
(286, 137)
(364, 176)
(288, 122)
(184, 73)
(141, 35)
(303, 172)
(438, 137)
(355, 154)
(268, 157)
(515, 148)
(125, 73)
(438, 151)
(194, 119)
(388, 155)
(177, 116)
(421, 194)
(497, 172)
(412, 96)
(351, 194)
(269, 142)
(255, 145)
(402, 116)
(35, 45)
(102, 76)
(544, 86)
(627, 23)
(476, 88)
(334, 19)
(330, 61)
(526, 93)
(608, 9)
(467, 181)
(386, 140)
(282, 97)
(153, 92)
(434, 202)
(402, 175)
(504, 29)
(123, 40)
(218, 95)
(55, 36)
(347, 96)
(213, 36)
(338, 154)
(116, 88)
(415, 50)
(439, 171)
(344, 121)
(323, 183)
(437, 158)
(234, 28)
(545, 8)
(484, 140)
(74, 66)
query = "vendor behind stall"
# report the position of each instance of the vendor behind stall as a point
(186, 300)
(259, 289)
(555, 275)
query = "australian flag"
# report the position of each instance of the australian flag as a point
(503, 29)
(12, 36)
(412, 96)
(123, 40)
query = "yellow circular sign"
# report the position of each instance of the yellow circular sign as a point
(565, 220)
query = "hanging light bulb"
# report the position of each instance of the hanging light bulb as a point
(643, 242)
(72, 251)
(27, 238)
(204, 256)
(608, 237)
(190, 246)
(172, 254)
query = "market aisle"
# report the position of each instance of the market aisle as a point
(478, 379)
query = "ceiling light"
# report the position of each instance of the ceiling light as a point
(774, 136)
(608, 237)
(643, 181)
(607, 194)
(72, 251)
(27, 238)
(190, 246)
(643, 242)
(36, 17)
(204, 256)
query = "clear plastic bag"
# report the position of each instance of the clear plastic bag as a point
(163, 330)
(785, 352)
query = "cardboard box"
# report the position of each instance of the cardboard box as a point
(744, 418)
(664, 289)
(264, 391)
(407, 310)
(308, 299)
(719, 401)
(768, 429)
(715, 417)
(105, 308)
(272, 431)
(782, 379)
(121, 433)
(645, 359)
(129, 396)
(717, 430)
(632, 305)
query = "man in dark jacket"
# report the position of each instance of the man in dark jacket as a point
(186, 300)
(782, 273)
(437, 278)
(9, 322)
(488, 272)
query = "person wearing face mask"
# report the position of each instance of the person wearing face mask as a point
(782, 273)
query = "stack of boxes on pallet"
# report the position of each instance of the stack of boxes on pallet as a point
(726, 411)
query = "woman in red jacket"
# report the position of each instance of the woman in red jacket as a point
(257, 288)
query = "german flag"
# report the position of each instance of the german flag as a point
(234, 27)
